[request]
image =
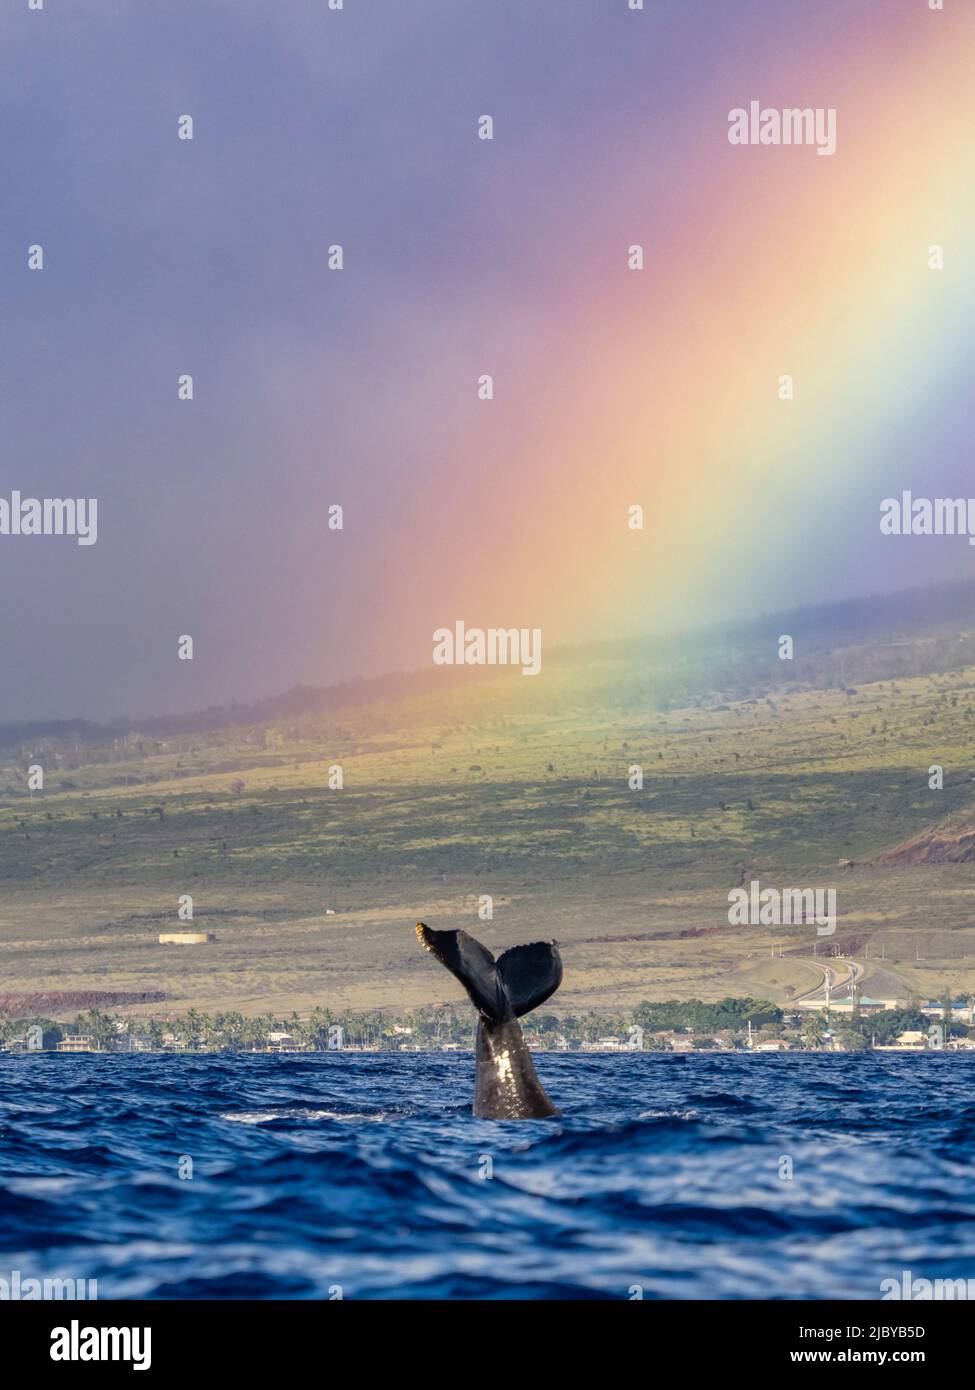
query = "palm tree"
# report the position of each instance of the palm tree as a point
(188, 1027)
(97, 1026)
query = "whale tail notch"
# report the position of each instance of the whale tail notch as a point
(514, 984)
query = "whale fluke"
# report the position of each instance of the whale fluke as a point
(472, 964)
(530, 974)
(502, 991)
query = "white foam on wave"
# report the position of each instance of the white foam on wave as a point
(261, 1117)
(667, 1115)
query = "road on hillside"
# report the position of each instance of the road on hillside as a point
(838, 974)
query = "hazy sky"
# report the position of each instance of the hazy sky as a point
(358, 387)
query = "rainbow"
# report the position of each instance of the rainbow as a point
(661, 388)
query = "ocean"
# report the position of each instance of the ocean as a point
(363, 1175)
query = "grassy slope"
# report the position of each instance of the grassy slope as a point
(569, 852)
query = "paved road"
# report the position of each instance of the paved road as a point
(840, 975)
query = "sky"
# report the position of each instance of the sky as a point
(464, 257)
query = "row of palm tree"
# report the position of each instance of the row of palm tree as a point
(425, 1028)
(321, 1029)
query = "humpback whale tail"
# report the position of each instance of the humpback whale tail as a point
(514, 984)
(502, 991)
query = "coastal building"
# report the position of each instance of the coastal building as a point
(846, 1006)
(76, 1042)
(961, 1010)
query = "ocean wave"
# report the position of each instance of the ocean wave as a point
(263, 1117)
(332, 1175)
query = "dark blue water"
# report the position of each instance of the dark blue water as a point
(362, 1172)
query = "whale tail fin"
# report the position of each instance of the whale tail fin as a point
(514, 984)
(530, 974)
